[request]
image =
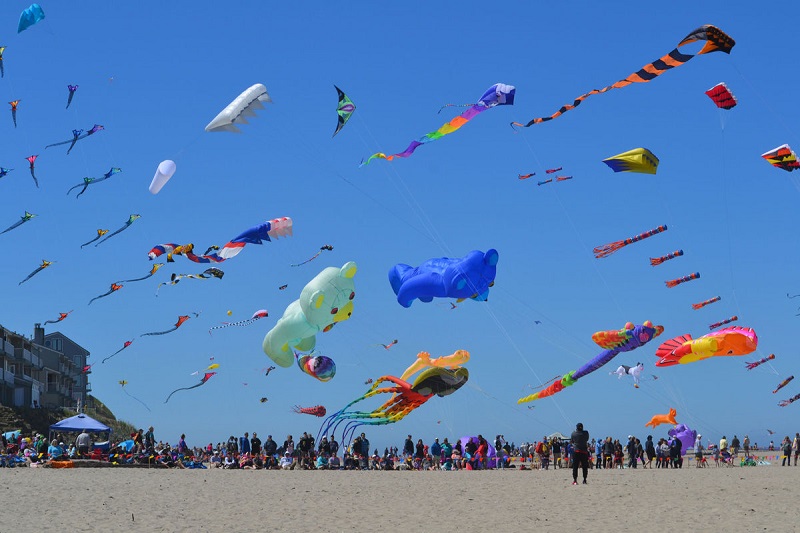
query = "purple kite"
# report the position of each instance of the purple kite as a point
(72, 89)
(77, 135)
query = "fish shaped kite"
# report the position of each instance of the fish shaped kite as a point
(322, 249)
(320, 367)
(782, 157)
(131, 219)
(615, 342)
(23, 219)
(30, 16)
(344, 110)
(179, 323)
(784, 403)
(722, 96)
(715, 41)
(751, 366)
(92, 181)
(317, 410)
(100, 233)
(706, 302)
(258, 315)
(123, 383)
(675, 282)
(206, 274)
(496, 95)
(608, 249)
(203, 380)
(715, 325)
(14, 104)
(655, 261)
(77, 135)
(31, 159)
(639, 160)
(783, 383)
(127, 343)
(525, 176)
(44, 265)
(153, 270)
(114, 288)
(61, 316)
(71, 89)
(730, 341)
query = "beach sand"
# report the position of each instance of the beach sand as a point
(762, 498)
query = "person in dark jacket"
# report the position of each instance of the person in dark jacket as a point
(580, 452)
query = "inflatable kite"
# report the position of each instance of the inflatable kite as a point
(14, 105)
(732, 341)
(153, 270)
(706, 302)
(663, 419)
(670, 283)
(722, 96)
(655, 261)
(751, 366)
(23, 219)
(715, 325)
(206, 377)
(634, 371)
(545, 182)
(31, 159)
(496, 95)
(123, 383)
(715, 41)
(344, 110)
(44, 265)
(553, 170)
(781, 157)
(784, 403)
(258, 315)
(322, 249)
(30, 16)
(525, 176)
(71, 89)
(455, 360)
(92, 181)
(470, 276)
(163, 173)
(131, 219)
(639, 160)
(317, 410)
(77, 135)
(114, 288)
(783, 383)
(171, 249)
(563, 178)
(100, 233)
(320, 367)
(208, 273)
(608, 249)
(179, 323)
(686, 435)
(127, 343)
(615, 342)
(242, 108)
(324, 301)
(61, 316)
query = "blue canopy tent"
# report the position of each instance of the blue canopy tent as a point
(79, 423)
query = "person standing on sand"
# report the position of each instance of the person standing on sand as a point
(650, 450)
(746, 446)
(580, 452)
(786, 448)
(796, 447)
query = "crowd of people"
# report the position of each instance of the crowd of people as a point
(469, 453)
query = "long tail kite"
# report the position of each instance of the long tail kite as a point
(715, 41)
(44, 265)
(654, 261)
(784, 403)
(608, 249)
(92, 181)
(715, 325)
(14, 105)
(675, 282)
(61, 316)
(123, 383)
(131, 220)
(261, 313)
(153, 270)
(114, 288)
(23, 219)
(322, 248)
(100, 233)
(783, 383)
(203, 380)
(31, 159)
(77, 135)
(127, 343)
(706, 302)
(4, 171)
(179, 323)
(206, 274)
(496, 95)
(71, 89)
(751, 366)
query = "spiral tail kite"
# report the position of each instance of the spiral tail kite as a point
(706, 302)
(675, 282)
(654, 261)
(608, 249)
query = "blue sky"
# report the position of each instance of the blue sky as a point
(155, 74)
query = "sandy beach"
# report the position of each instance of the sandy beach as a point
(762, 498)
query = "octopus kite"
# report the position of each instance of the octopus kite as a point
(608, 249)
(127, 343)
(114, 288)
(131, 219)
(751, 366)
(322, 249)
(77, 135)
(23, 219)
(317, 410)
(92, 181)
(715, 41)
(206, 377)
(734, 340)
(31, 159)
(179, 323)
(61, 316)
(44, 265)
(615, 342)
(258, 315)
(345, 109)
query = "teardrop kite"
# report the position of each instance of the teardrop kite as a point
(608, 249)
(715, 325)
(751, 366)
(92, 181)
(496, 95)
(77, 135)
(345, 109)
(735, 340)
(14, 105)
(123, 383)
(675, 282)
(706, 302)
(127, 343)
(31, 159)
(783, 383)
(322, 249)
(179, 323)
(131, 219)
(615, 342)
(114, 288)
(44, 265)
(317, 410)
(23, 219)
(654, 261)
(639, 160)
(258, 315)
(715, 41)
(782, 157)
(61, 316)
(71, 89)
(722, 96)
(153, 270)
(206, 377)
